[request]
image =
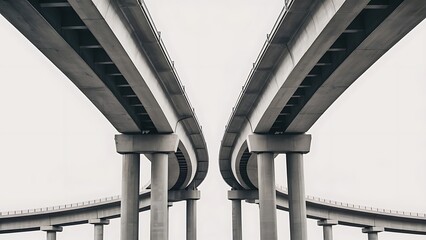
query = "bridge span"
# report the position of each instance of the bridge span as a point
(315, 51)
(113, 53)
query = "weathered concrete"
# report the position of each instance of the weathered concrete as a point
(130, 194)
(237, 224)
(159, 212)
(267, 197)
(51, 231)
(98, 225)
(373, 232)
(327, 227)
(191, 219)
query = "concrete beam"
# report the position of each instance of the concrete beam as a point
(297, 143)
(327, 222)
(373, 229)
(51, 228)
(146, 144)
(99, 221)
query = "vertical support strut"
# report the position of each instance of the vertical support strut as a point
(267, 196)
(296, 197)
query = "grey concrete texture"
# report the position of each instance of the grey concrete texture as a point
(296, 196)
(159, 190)
(191, 219)
(130, 197)
(267, 197)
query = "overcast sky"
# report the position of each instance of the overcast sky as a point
(367, 149)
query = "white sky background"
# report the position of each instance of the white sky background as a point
(57, 148)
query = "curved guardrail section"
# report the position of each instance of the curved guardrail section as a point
(346, 213)
(78, 213)
(317, 208)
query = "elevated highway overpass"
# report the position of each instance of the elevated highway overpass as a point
(314, 52)
(113, 53)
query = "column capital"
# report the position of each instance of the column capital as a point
(144, 143)
(373, 229)
(99, 221)
(51, 228)
(288, 143)
(327, 222)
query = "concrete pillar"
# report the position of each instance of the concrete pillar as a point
(237, 226)
(294, 145)
(159, 188)
(191, 219)
(99, 227)
(373, 232)
(158, 146)
(130, 197)
(51, 231)
(267, 196)
(327, 226)
(296, 196)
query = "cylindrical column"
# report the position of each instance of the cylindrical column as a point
(99, 227)
(99, 231)
(373, 236)
(191, 219)
(373, 232)
(237, 230)
(327, 226)
(296, 196)
(159, 188)
(51, 235)
(267, 196)
(51, 231)
(130, 197)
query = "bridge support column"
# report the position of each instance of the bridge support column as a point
(191, 219)
(51, 231)
(327, 226)
(267, 196)
(159, 146)
(99, 227)
(296, 197)
(237, 226)
(159, 188)
(294, 146)
(373, 232)
(130, 197)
